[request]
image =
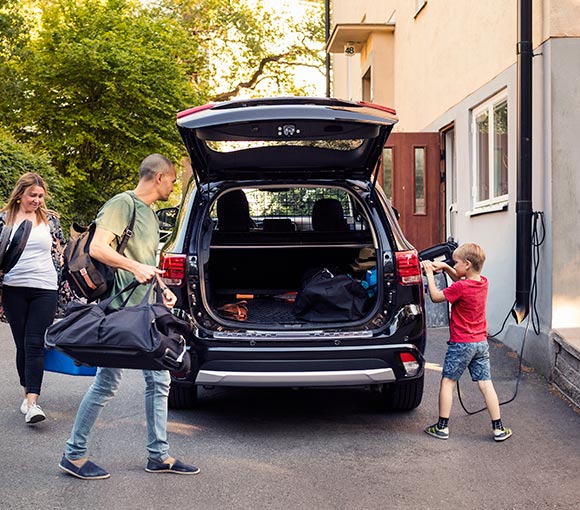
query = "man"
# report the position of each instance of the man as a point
(156, 180)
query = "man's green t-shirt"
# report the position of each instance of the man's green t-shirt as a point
(115, 216)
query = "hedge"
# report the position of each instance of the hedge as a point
(17, 159)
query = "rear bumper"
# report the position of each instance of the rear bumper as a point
(305, 366)
(312, 378)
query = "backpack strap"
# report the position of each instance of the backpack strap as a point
(128, 233)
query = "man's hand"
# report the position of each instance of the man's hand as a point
(169, 298)
(144, 273)
(102, 250)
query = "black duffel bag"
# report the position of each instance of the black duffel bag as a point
(146, 336)
(326, 297)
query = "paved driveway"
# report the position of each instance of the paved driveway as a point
(299, 449)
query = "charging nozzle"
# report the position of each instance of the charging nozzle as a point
(442, 252)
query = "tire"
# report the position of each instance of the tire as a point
(182, 396)
(403, 396)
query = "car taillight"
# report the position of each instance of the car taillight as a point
(378, 107)
(195, 109)
(173, 266)
(409, 267)
(410, 363)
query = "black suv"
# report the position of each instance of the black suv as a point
(284, 194)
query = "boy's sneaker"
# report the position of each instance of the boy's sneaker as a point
(502, 434)
(34, 414)
(435, 431)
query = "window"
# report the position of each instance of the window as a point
(367, 90)
(388, 172)
(490, 146)
(419, 180)
(450, 180)
(287, 210)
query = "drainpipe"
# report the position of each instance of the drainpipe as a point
(524, 173)
(327, 37)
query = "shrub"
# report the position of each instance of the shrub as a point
(17, 159)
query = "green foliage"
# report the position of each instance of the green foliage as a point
(14, 32)
(292, 202)
(17, 159)
(96, 84)
(246, 49)
(105, 79)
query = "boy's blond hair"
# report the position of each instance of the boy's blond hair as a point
(473, 253)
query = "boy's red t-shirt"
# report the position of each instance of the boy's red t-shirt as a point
(468, 299)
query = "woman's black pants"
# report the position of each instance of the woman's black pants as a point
(29, 312)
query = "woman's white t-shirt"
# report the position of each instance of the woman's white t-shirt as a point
(35, 267)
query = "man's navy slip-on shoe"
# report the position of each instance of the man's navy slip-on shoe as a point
(88, 471)
(178, 467)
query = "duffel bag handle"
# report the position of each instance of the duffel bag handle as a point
(130, 287)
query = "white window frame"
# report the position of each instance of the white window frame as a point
(493, 203)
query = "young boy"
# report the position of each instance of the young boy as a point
(468, 347)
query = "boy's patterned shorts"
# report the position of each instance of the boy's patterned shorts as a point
(471, 355)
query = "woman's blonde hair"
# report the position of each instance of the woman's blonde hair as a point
(473, 253)
(26, 181)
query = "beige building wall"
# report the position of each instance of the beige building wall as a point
(447, 59)
(430, 71)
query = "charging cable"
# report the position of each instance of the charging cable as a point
(538, 239)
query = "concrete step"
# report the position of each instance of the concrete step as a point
(566, 371)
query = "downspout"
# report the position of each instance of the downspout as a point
(327, 37)
(524, 173)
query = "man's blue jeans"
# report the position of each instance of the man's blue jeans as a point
(102, 390)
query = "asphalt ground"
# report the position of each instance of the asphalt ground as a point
(299, 449)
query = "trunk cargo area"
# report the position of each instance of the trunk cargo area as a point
(268, 278)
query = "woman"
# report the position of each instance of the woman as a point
(30, 288)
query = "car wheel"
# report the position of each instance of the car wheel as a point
(403, 396)
(182, 396)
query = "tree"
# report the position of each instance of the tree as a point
(13, 40)
(246, 49)
(104, 81)
(98, 83)
(17, 159)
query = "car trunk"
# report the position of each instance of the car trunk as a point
(262, 243)
(268, 278)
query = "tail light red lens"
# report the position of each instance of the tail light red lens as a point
(378, 107)
(173, 266)
(409, 267)
(196, 109)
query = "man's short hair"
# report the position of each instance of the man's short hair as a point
(473, 253)
(152, 165)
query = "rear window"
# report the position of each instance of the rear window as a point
(336, 145)
(289, 210)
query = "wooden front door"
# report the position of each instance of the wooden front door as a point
(411, 178)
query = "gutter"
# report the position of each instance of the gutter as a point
(524, 172)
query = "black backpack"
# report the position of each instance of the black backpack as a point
(86, 276)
